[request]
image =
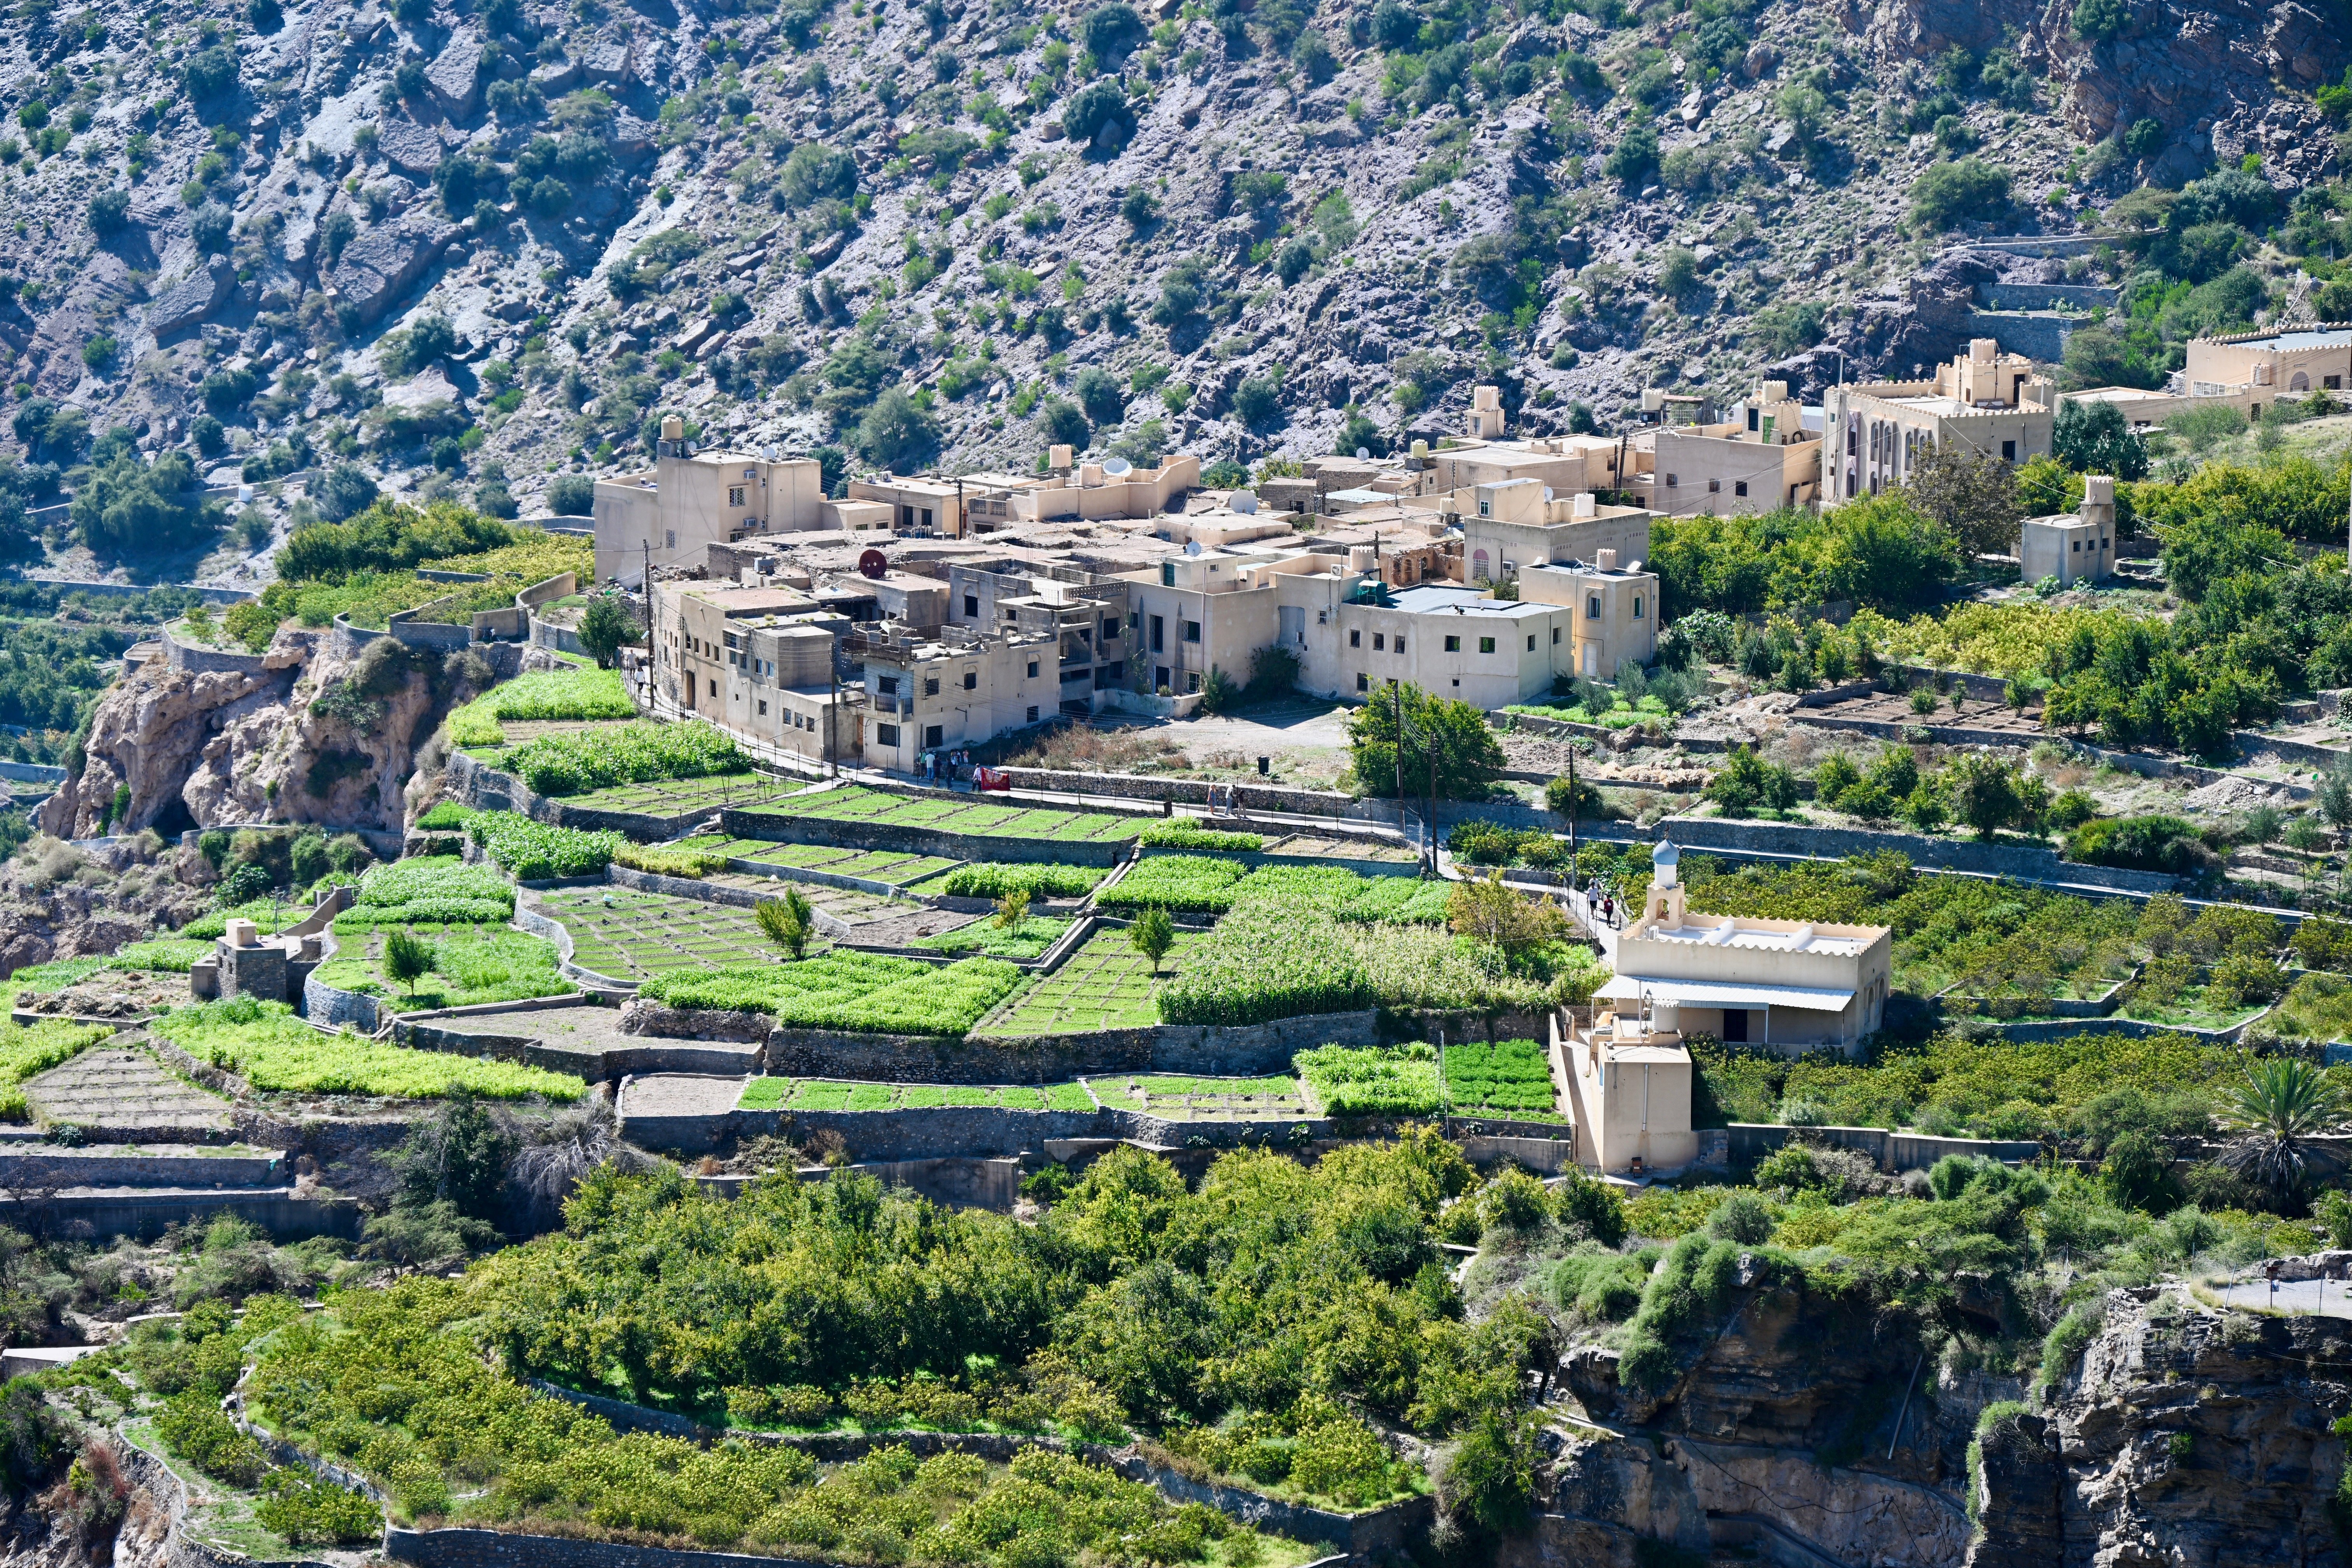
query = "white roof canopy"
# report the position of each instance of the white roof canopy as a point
(1720, 993)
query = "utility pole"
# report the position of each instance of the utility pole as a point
(1430, 802)
(1396, 690)
(1572, 814)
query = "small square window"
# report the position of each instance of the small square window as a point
(1592, 607)
(1192, 631)
(1637, 606)
(930, 686)
(1555, 636)
(970, 605)
(1739, 487)
(886, 735)
(971, 680)
(1032, 669)
(1486, 645)
(1400, 648)
(1192, 680)
(764, 709)
(1355, 639)
(1363, 681)
(1032, 713)
(2009, 451)
(1453, 645)
(932, 734)
(1531, 642)
(1379, 641)
(1714, 487)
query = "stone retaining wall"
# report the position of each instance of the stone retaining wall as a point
(1212, 1051)
(330, 1007)
(2036, 863)
(486, 788)
(595, 1065)
(1197, 792)
(1892, 1151)
(148, 1213)
(44, 1165)
(197, 658)
(973, 1130)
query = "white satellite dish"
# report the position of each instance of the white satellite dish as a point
(1191, 547)
(1363, 453)
(1547, 492)
(1117, 468)
(769, 451)
(1244, 501)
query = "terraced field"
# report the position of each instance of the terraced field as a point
(872, 865)
(1179, 1099)
(973, 815)
(673, 797)
(831, 1094)
(1106, 984)
(626, 935)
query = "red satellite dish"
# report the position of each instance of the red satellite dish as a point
(873, 563)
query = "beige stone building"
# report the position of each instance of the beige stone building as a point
(925, 695)
(1792, 986)
(757, 662)
(2263, 367)
(1627, 1085)
(1763, 457)
(1988, 403)
(670, 514)
(1508, 525)
(2072, 547)
(1614, 613)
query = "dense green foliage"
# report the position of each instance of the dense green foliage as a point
(1305, 939)
(1447, 750)
(995, 879)
(545, 695)
(395, 1385)
(1875, 551)
(1273, 1282)
(576, 762)
(467, 964)
(1187, 834)
(532, 851)
(432, 889)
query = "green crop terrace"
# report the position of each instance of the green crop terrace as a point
(976, 816)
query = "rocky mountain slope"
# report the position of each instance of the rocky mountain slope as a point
(2183, 1435)
(1251, 224)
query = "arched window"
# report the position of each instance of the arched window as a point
(1478, 563)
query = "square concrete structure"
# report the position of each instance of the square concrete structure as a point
(1614, 613)
(1628, 1092)
(2072, 547)
(1761, 457)
(1792, 986)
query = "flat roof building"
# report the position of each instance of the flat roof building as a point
(1987, 403)
(1790, 986)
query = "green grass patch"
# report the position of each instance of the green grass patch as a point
(1030, 939)
(845, 990)
(266, 1045)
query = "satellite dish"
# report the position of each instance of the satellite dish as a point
(1244, 503)
(1117, 468)
(1191, 547)
(873, 563)
(1363, 453)
(769, 451)
(1547, 492)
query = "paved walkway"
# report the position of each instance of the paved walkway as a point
(2322, 1297)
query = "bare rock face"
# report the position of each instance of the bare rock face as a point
(303, 760)
(2185, 1436)
(233, 747)
(150, 732)
(56, 902)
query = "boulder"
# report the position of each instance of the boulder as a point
(631, 137)
(408, 146)
(377, 268)
(555, 77)
(611, 62)
(191, 298)
(454, 79)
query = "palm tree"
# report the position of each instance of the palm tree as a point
(2277, 1112)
